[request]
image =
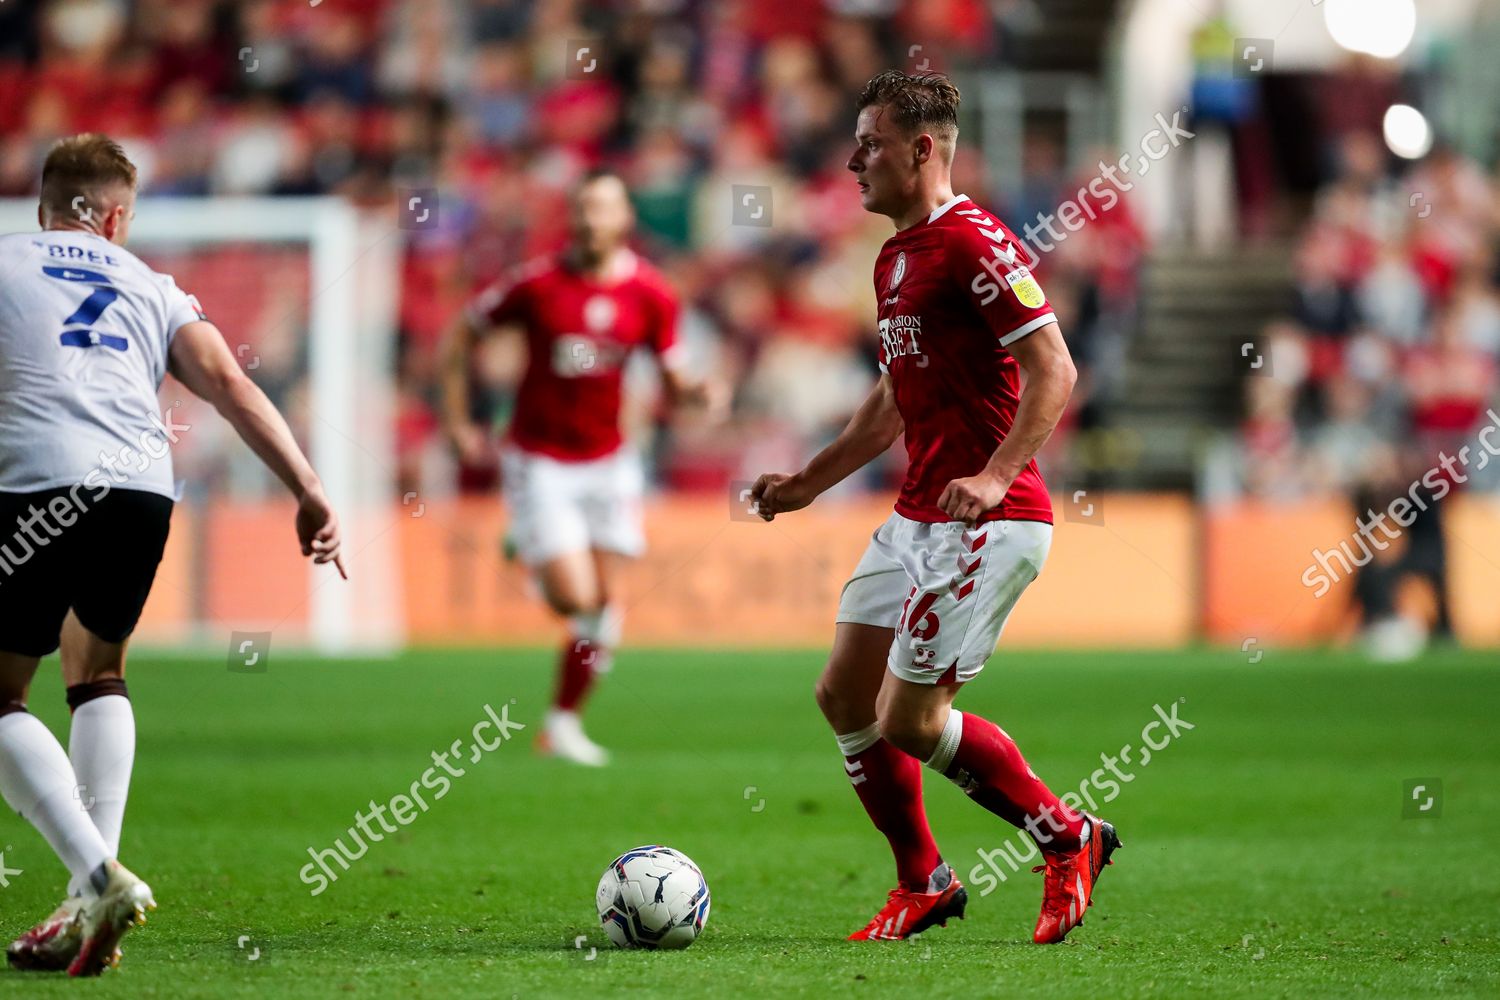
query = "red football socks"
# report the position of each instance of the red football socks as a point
(889, 785)
(988, 766)
(575, 673)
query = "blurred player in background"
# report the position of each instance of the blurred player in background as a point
(87, 333)
(961, 319)
(573, 486)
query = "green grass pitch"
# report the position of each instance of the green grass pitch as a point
(1266, 852)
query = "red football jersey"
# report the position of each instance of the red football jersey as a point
(954, 291)
(579, 333)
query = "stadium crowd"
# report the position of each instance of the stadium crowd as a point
(1386, 363)
(494, 105)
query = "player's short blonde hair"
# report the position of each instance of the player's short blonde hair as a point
(83, 166)
(915, 101)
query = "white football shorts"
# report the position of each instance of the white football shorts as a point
(558, 507)
(947, 589)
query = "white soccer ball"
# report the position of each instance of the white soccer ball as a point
(652, 897)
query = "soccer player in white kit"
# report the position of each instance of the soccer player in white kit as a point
(87, 333)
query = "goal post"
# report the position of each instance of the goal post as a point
(313, 281)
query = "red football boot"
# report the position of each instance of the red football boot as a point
(906, 913)
(1068, 887)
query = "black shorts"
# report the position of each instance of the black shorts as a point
(62, 549)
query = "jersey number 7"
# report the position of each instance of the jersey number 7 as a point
(76, 332)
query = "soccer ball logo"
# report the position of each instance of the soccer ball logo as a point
(652, 897)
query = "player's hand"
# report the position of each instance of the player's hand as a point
(715, 397)
(969, 499)
(470, 445)
(318, 530)
(776, 493)
(710, 396)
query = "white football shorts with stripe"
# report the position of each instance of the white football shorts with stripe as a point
(947, 589)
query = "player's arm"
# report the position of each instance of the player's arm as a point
(870, 432)
(681, 388)
(458, 355)
(1050, 375)
(201, 360)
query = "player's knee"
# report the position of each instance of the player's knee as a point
(910, 733)
(574, 605)
(602, 626)
(843, 712)
(827, 698)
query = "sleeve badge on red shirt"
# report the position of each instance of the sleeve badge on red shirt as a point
(1026, 288)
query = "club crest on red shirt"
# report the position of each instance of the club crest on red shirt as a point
(899, 270)
(599, 312)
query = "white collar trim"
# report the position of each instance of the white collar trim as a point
(937, 213)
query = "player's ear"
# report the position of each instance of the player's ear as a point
(114, 223)
(923, 148)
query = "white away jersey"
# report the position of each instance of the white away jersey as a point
(84, 332)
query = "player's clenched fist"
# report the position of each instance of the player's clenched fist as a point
(776, 493)
(969, 499)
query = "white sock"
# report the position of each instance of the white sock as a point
(102, 748)
(852, 744)
(37, 781)
(602, 629)
(948, 741)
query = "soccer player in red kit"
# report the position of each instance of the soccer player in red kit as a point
(573, 487)
(961, 319)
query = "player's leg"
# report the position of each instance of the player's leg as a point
(600, 631)
(132, 528)
(36, 777)
(949, 628)
(976, 755)
(605, 498)
(101, 743)
(570, 585)
(580, 588)
(887, 781)
(37, 780)
(549, 529)
(981, 758)
(102, 749)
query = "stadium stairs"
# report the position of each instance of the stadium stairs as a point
(1070, 36)
(1182, 381)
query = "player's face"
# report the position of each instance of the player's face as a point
(884, 163)
(601, 216)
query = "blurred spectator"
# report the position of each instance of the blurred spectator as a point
(1389, 362)
(496, 104)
